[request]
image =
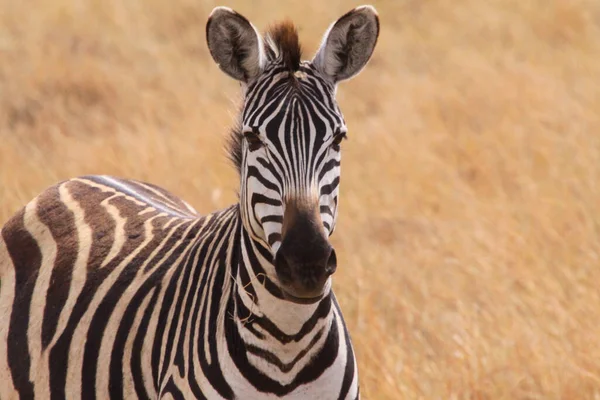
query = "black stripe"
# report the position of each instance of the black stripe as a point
(255, 173)
(138, 343)
(272, 218)
(261, 198)
(172, 389)
(26, 257)
(328, 166)
(329, 188)
(273, 359)
(349, 372)
(61, 224)
(323, 209)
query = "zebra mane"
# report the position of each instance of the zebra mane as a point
(281, 41)
(234, 145)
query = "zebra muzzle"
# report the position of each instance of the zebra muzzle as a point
(305, 260)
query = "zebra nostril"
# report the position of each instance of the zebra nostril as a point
(331, 263)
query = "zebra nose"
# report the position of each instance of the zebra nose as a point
(303, 272)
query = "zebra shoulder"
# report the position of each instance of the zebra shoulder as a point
(70, 212)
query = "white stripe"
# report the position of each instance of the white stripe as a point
(128, 385)
(38, 371)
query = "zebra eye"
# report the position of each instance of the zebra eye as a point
(253, 139)
(337, 139)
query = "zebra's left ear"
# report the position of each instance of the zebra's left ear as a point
(348, 44)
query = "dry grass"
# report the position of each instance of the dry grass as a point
(469, 235)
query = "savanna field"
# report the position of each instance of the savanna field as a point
(468, 240)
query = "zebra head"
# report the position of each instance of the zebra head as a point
(287, 143)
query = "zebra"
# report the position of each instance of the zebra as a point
(115, 288)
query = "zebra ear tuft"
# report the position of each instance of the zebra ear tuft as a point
(235, 45)
(348, 44)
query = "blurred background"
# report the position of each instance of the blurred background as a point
(469, 228)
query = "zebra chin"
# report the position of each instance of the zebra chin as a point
(311, 299)
(302, 290)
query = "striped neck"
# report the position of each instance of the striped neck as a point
(258, 293)
(280, 338)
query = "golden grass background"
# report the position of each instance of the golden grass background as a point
(469, 234)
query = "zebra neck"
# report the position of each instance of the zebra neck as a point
(259, 297)
(273, 345)
(277, 344)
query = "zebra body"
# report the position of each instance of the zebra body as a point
(136, 288)
(114, 288)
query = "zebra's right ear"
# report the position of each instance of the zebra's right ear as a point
(235, 45)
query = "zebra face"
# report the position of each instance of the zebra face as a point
(291, 134)
(291, 172)
(287, 145)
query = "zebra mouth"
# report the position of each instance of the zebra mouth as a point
(302, 300)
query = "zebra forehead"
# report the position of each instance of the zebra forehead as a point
(298, 115)
(302, 91)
